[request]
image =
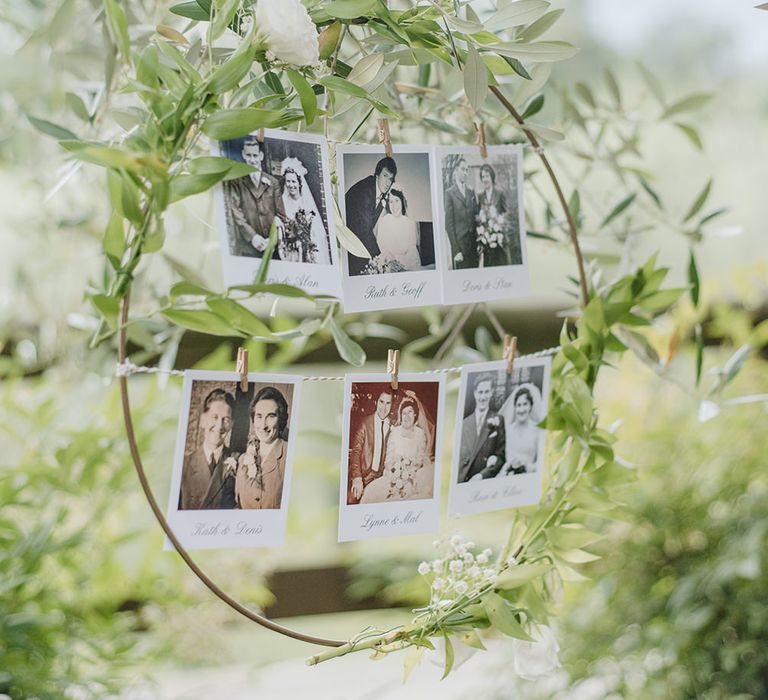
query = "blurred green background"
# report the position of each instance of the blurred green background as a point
(90, 604)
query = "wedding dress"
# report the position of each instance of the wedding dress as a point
(396, 236)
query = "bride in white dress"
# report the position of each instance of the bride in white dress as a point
(408, 470)
(396, 232)
(521, 412)
(297, 198)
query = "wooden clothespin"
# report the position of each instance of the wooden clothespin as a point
(260, 135)
(384, 136)
(242, 368)
(509, 351)
(393, 367)
(480, 138)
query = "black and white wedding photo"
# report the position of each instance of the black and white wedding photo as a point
(387, 205)
(498, 443)
(482, 221)
(289, 190)
(390, 456)
(233, 454)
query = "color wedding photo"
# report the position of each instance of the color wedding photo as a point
(386, 203)
(233, 457)
(498, 444)
(389, 465)
(482, 219)
(290, 190)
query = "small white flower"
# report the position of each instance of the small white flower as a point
(435, 543)
(470, 544)
(475, 572)
(437, 565)
(444, 603)
(482, 558)
(489, 573)
(468, 557)
(288, 31)
(456, 566)
(511, 561)
(424, 568)
(487, 552)
(537, 659)
(438, 584)
(461, 587)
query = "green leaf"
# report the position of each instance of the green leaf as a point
(570, 536)
(350, 9)
(534, 106)
(661, 300)
(187, 185)
(516, 14)
(735, 363)
(541, 25)
(106, 156)
(444, 126)
(475, 78)
(472, 639)
(699, 202)
(687, 104)
(502, 617)
(336, 84)
(130, 197)
(618, 209)
(575, 556)
(651, 192)
(228, 75)
(348, 240)
(518, 67)
(306, 95)
(232, 123)
(239, 317)
(280, 290)
(699, 337)
(349, 350)
(190, 10)
(613, 86)
(653, 84)
(366, 69)
(693, 279)
(76, 104)
(51, 129)
(540, 52)
(574, 206)
(181, 289)
(449, 655)
(762, 6)
(230, 169)
(201, 321)
(109, 307)
(520, 574)
(583, 91)
(117, 26)
(692, 134)
(266, 255)
(113, 242)
(224, 13)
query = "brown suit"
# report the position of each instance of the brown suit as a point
(270, 496)
(361, 454)
(476, 448)
(203, 487)
(461, 226)
(251, 209)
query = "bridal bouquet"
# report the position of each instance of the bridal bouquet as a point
(381, 265)
(490, 229)
(297, 244)
(250, 460)
(402, 479)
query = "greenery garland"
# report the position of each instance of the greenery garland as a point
(180, 89)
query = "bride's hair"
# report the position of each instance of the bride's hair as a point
(408, 403)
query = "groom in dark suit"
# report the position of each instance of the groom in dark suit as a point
(369, 448)
(364, 202)
(207, 477)
(460, 219)
(482, 436)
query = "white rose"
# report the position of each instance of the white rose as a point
(288, 32)
(537, 659)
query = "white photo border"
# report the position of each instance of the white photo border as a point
(488, 283)
(313, 278)
(376, 520)
(220, 529)
(511, 491)
(398, 290)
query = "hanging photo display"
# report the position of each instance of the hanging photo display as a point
(387, 203)
(290, 189)
(498, 454)
(390, 466)
(234, 453)
(481, 213)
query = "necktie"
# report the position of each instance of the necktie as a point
(381, 454)
(212, 464)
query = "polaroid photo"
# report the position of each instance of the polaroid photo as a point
(481, 217)
(498, 452)
(388, 204)
(390, 465)
(234, 455)
(291, 186)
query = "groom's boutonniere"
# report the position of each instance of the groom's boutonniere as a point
(493, 424)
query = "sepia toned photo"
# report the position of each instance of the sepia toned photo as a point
(289, 189)
(482, 219)
(387, 204)
(499, 443)
(233, 457)
(389, 471)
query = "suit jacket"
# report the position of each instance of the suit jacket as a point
(250, 210)
(461, 225)
(363, 207)
(497, 199)
(249, 496)
(361, 453)
(477, 448)
(203, 488)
